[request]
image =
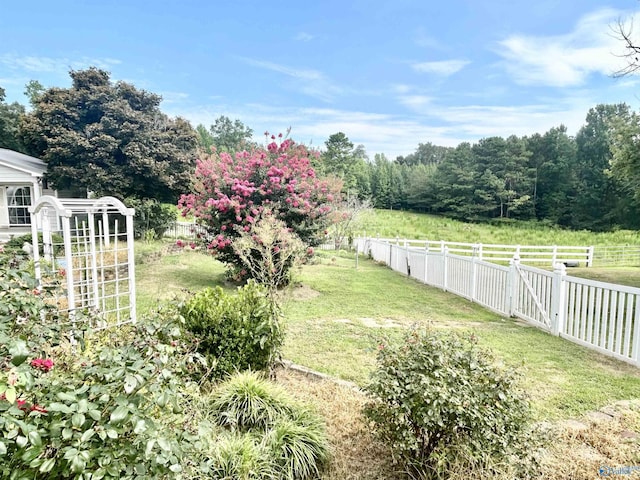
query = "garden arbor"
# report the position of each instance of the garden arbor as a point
(83, 253)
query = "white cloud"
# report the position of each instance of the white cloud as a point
(415, 102)
(39, 64)
(444, 68)
(173, 97)
(565, 60)
(304, 37)
(308, 81)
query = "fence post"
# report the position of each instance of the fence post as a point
(445, 269)
(590, 253)
(426, 262)
(474, 275)
(554, 257)
(558, 288)
(512, 285)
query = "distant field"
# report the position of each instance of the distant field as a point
(388, 223)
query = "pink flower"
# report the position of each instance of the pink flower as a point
(276, 249)
(192, 245)
(42, 364)
(223, 228)
(179, 243)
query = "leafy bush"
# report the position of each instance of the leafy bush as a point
(152, 218)
(268, 252)
(235, 332)
(16, 243)
(105, 405)
(443, 405)
(293, 441)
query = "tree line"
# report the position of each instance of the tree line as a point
(587, 181)
(112, 138)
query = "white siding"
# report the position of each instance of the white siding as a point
(4, 214)
(9, 175)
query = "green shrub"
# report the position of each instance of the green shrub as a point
(16, 243)
(108, 405)
(443, 406)
(152, 218)
(235, 332)
(267, 426)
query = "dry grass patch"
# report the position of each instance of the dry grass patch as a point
(580, 448)
(355, 453)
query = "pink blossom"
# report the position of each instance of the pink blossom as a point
(44, 364)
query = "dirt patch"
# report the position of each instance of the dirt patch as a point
(379, 323)
(356, 454)
(304, 292)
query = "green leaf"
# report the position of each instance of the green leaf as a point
(59, 407)
(95, 414)
(130, 383)
(47, 465)
(164, 444)
(87, 435)
(19, 352)
(77, 420)
(78, 464)
(10, 394)
(119, 414)
(67, 433)
(3, 448)
(66, 397)
(35, 439)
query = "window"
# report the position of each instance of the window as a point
(19, 201)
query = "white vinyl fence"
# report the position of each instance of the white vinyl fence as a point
(598, 315)
(539, 254)
(185, 230)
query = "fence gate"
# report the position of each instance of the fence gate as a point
(532, 296)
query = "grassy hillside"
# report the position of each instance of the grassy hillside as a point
(388, 223)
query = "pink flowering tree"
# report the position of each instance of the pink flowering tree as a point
(231, 193)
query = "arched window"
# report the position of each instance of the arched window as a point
(18, 202)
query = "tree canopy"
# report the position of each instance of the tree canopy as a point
(226, 135)
(109, 138)
(10, 114)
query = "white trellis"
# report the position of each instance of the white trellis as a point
(85, 256)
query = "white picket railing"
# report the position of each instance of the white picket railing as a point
(601, 316)
(549, 254)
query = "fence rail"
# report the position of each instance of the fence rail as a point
(549, 254)
(185, 230)
(617, 255)
(601, 316)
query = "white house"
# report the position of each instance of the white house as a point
(21, 184)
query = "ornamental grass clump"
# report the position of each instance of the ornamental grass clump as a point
(266, 429)
(446, 408)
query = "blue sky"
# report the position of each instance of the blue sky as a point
(389, 74)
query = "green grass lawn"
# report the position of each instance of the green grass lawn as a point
(392, 223)
(337, 315)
